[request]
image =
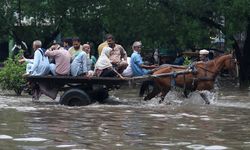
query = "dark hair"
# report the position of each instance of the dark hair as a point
(57, 42)
(76, 39)
(68, 40)
(108, 36)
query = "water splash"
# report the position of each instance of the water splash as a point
(177, 98)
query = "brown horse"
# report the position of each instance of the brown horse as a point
(200, 76)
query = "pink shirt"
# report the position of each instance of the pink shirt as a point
(62, 58)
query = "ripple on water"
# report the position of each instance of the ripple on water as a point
(157, 115)
(118, 144)
(187, 115)
(31, 139)
(215, 147)
(172, 144)
(65, 146)
(5, 137)
(203, 147)
(196, 146)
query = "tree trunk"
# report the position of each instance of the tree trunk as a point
(244, 61)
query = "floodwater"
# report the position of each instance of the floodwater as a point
(127, 122)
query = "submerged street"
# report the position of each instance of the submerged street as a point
(127, 122)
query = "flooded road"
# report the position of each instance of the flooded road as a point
(126, 122)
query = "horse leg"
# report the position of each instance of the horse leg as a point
(163, 94)
(152, 94)
(204, 98)
(145, 87)
(186, 92)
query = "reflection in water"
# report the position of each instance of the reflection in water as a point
(127, 123)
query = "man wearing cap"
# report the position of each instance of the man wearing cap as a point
(62, 60)
(204, 55)
(136, 62)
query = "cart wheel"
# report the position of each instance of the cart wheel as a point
(75, 97)
(100, 95)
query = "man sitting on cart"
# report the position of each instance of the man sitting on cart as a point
(38, 66)
(62, 59)
(137, 65)
(118, 56)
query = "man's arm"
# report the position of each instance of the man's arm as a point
(50, 53)
(123, 53)
(149, 67)
(37, 57)
(138, 61)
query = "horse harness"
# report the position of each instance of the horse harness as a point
(193, 68)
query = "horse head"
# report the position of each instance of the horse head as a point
(231, 65)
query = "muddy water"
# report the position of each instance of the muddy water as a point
(127, 123)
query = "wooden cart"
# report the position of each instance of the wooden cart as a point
(77, 91)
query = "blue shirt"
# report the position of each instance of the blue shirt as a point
(136, 61)
(79, 64)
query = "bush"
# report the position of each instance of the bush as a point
(11, 75)
(187, 61)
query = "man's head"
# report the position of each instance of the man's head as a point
(37, 44)
(109, 37)
(67, 42)
(137, 46)
(86, 48)
(111, 43)
(203, 54)
(76, 43)
(56, 46)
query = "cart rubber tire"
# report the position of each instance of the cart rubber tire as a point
(75, 97)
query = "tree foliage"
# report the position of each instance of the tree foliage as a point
(171, 24)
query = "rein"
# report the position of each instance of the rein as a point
(208, 69)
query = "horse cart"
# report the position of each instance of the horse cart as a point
(76, 91)
(80, 90)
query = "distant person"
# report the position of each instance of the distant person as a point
(118, 56)
(179, 60)
(108, 38)
(17, 48)
(38, 66)
(137, 65)
(203, 55)
(91, 59)
(76, 48)
(67, 43)
(210, 55)
(62, 60)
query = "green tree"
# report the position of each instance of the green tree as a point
(171, 24)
